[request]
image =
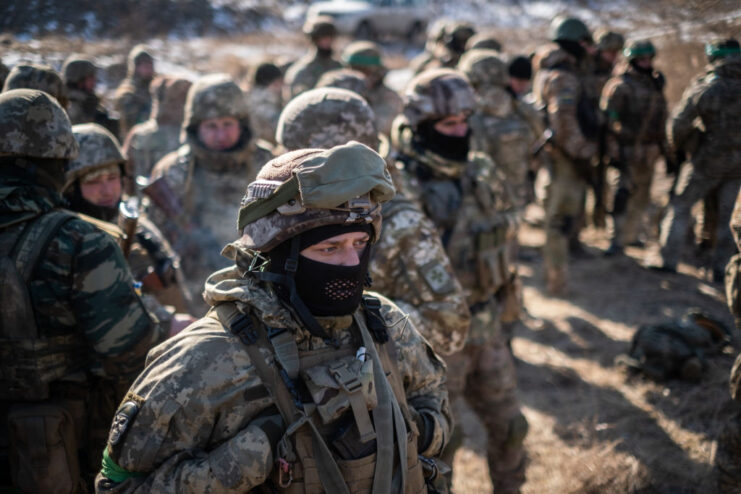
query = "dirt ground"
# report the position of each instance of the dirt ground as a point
(595, 427)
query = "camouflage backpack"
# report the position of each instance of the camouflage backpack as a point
(676, 348)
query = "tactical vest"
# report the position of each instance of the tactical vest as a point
(331, 443)
(29, 360)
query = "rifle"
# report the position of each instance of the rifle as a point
(128, 217)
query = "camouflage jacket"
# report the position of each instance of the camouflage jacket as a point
(635, 107)
(265, 107)
(209, 186)
(558, 88)
(201, 402)
(304, 73)
(147, 143)
(506, 128)
(709, 116)
(410, 267)
(133, 102)
(82, 285)
(472, 207)
(87, 107)
(386, 105)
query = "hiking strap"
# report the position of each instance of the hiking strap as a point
(388, 419)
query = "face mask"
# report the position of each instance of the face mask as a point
(450, 147)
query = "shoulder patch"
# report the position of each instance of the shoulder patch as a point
(124, 417)
(437, 278)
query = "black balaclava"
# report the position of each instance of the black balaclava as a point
(325, 289)
(573, 47)
(642, 70)
(449, 147)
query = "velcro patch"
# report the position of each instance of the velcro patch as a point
(437, 278)
(124, 417)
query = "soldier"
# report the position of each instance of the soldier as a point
(503, 126)
(133, 100)
(707, 116)
(349, 79)
(94, 185)
(558, 90)
(448, 49)
(728, 455)
(80, 77)
(295, 295)
(634, 104)
(409, 264)
(467, 199)
(150, 141)
(41, 77)
(74, 331)
(520, 71)
(483, 41)
(195, 187)
(305, 72)
(365, 56)
(265, 99)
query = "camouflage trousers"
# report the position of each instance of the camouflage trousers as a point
(485, 369)
(563, 206)
(694, 186)
(633, 193)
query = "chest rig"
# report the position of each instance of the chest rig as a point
(347, 420)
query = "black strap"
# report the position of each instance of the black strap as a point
(376, 324)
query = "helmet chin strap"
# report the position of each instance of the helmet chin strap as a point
(287, 280)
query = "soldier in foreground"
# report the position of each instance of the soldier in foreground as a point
(277, 385)
(74, 332)
(706, 125)
(94, 187)
(306, 71)
(558, 90)
(133, 100)
(634, 104)
(195, 187)
(468, 201)
(409, 264)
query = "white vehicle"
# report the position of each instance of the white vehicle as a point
(370, 19)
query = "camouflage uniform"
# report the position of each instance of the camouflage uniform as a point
(202, 416)
(87, 332)
(206, 184)
(85, 106)
(634, 104)
(304, 73)
(476, 221)
(445, 45)
(264, 101)
(365, 57)
(409, 263)
(349, 79)
(41, 77)
(557, 89)
(150, 141)
(150, 257)
(707, 115)
(133, 100)
(503, 126)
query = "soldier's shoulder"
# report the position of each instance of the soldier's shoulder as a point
(171, 160)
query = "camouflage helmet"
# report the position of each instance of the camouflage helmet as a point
(309, 188)
(436, 94)
(483, 68)
(326, 117)
(98, 149)
(33, 124)
(77, 68)
(349, 79)
(214, 96)
(721, 48)
(41, 77)
(569, 29)
(642, 48)
(486, 41)
(138, 54)
(363, 55)
(609, 40)
(319, 27)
